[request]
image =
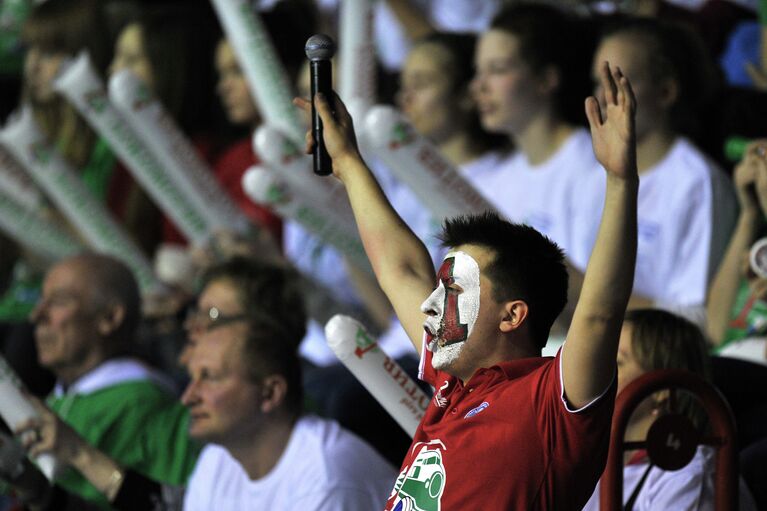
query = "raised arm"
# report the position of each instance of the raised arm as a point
(400, 260)
(588, 359)
(751, 192)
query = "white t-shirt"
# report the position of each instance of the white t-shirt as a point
(686, 211)
(690, 488)
(323, 468)
(542, 195)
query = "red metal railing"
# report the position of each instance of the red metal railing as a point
(723, 435)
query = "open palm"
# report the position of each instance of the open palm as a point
(612, 126)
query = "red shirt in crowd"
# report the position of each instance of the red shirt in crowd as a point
(504, 440)
(229, 169)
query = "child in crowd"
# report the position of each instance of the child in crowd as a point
(653, 339)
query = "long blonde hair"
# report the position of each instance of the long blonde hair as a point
(67, 26)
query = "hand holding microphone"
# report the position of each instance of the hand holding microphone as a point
(332, 131)
(319, 50)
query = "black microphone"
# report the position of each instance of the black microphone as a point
(320, 48)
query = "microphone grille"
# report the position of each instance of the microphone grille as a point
(320, 47)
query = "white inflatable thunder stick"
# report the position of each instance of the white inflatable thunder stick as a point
(160, 134)
(21, 218)
(34, 232)
(382, 376)
(83, 88)
(295, 168)
(15, 409)
(418, 164)
(357, 59)
(23, 140)
(15, 182)
(266, 77)
(264, 186)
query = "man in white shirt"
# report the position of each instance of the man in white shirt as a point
(245, 401)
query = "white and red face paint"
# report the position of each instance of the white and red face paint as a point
(453, 308)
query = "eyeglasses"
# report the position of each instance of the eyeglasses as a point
(208, 319)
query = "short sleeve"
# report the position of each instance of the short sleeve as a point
(575, 441)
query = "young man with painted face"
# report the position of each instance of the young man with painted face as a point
(506, 429)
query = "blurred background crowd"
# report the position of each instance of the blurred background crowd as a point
(497, 87)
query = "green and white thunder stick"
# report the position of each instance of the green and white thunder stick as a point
(268, 82)
(21, 214)
(357, 59)
(265, 186)
(160, 134)
(419, 164)
(22, 138)
(280, 154)
(15, 182)
(83, 88)
(383, 377)
(33, 231)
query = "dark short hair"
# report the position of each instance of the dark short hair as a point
(271, 297)
(526, 265)
(551, 37)
(662, 340)
(673, 51)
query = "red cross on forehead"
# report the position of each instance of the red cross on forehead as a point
(445, 272)
(451, 330)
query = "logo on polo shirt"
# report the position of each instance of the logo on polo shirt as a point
(420, 485)
(475, 411)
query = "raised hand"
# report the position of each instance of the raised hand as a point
(751, 178)
(612, 126)
(338, 131)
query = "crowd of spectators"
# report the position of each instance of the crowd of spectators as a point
(218, 389)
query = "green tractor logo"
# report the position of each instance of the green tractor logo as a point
(419, 487)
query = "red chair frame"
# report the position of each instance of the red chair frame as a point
(723, 436)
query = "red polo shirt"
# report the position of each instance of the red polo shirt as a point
(505, 440)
